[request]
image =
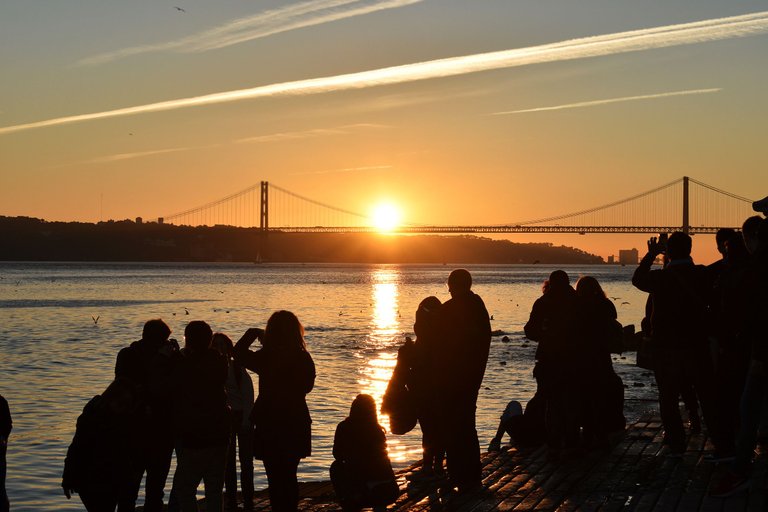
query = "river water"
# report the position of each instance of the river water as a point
(62, 324)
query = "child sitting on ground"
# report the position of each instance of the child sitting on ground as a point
(362, 475)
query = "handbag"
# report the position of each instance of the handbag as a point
(398, 401)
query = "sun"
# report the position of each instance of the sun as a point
(385, 217)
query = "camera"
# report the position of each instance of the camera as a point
(663, 237)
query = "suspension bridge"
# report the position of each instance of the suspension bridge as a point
(685, 204)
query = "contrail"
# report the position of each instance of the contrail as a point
(609, 44)
(346, 169)
(130, 156)
(608, 101)
(263, 24)
(306, 134)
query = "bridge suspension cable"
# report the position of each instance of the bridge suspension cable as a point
(596, 208)
(685, 203)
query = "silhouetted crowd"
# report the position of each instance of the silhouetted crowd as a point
(198, 401)
(707, 342)
(705, 332)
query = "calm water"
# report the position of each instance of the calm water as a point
(54, 357)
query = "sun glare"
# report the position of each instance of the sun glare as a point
(386, 217)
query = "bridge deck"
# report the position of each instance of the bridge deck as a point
(633, 476)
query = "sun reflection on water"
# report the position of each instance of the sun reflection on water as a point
(385, 327)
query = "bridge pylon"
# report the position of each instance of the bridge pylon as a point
(263, 249)
(686, 217)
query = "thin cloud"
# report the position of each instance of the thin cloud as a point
(346, 169)
(263, 24)
(593, 103)
(609, 44)
(140, 154)
(308, 134)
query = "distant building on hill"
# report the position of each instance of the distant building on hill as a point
(611, 259)
(628, 257)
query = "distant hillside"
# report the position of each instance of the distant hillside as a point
(30, 239)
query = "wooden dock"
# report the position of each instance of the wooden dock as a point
(635, 475)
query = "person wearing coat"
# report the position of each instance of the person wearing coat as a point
(99, 462)
(282, 425)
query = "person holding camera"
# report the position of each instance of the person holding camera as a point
(282, 425)
(679, 332)
(145, 365)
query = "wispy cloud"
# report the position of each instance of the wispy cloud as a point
(609, 44)
(608, 101)
(308, 134)
(140, 154)
(263, 24)
(346, 169)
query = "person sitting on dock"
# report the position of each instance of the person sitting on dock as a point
(525, 429)
(361, 473)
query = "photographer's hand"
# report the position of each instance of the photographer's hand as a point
(655, 247)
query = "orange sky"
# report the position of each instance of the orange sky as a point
(484, 114)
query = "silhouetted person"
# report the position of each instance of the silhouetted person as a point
(465, 344)
(361, 473)
(679, 333)
(424, 384)
(754, 398)
(731, 344)
(282, 434)
(98, 463)
(525, 428)
(687, 393)
(6, 424)
(721, 238)
(201, 419)
(141, 364)
(554, 325)
(240, 399)
(602, 401)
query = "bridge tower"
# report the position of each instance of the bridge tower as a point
(686, 218)
(264, 207)
(263, 248)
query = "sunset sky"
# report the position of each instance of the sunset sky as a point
(460, 112)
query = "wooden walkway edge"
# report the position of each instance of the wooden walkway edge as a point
(635, 475)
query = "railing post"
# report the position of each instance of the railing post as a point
(686, 218)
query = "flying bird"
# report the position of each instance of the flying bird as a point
(179, 9)
(95, 320)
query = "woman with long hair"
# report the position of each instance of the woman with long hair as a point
(603, 397)
(362, 475)
(282, 425)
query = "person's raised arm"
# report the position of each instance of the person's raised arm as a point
(643, 279)
(242, 353)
